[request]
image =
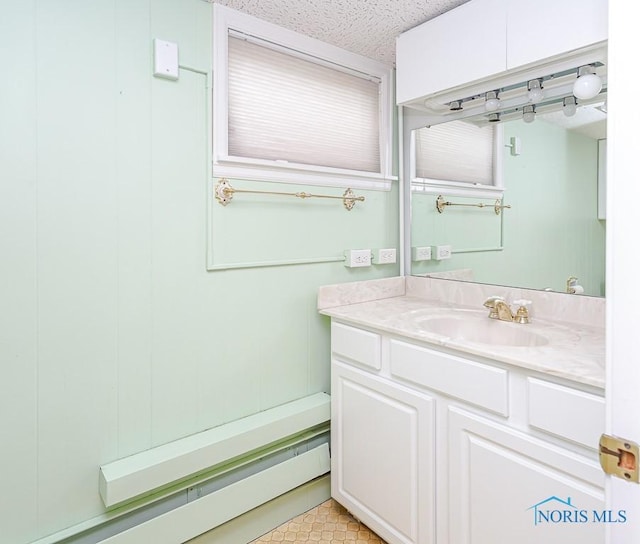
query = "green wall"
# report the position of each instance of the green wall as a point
(551, 231)
(114, 336)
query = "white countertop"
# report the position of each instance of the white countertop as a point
(574, 351)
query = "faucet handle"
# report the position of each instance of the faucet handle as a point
(522, 314)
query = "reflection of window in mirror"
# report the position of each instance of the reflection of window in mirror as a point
(458, 157)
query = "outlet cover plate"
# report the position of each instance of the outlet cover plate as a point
(442, 252)
(356, 258)
(421, 253)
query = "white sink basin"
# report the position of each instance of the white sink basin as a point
(467, 328)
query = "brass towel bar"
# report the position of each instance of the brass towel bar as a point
(498, 206)
(224, 194)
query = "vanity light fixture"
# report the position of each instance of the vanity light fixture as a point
(528, 114)
(588, 84)
(548, 92)
(569, 106)
(535, 92)
(492, 102)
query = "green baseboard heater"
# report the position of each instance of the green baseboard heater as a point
(232, 448)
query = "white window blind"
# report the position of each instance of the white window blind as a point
(456, 151)
(283, 107)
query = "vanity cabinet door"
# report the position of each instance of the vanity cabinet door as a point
(382, 455)
(550, 28)
(506, 486)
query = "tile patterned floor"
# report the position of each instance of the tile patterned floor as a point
(326, 523)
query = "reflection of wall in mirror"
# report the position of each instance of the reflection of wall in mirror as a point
(552, 230)
(602, 178)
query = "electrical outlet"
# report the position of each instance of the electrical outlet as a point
(442, 252)
(385, 256)
(355, 258)
(421, 253)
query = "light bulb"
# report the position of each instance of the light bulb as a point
(588, 83)
(492, 102)
(528, 114)
(569, 106)
(535, 91)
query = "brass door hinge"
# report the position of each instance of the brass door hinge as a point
(619, 457)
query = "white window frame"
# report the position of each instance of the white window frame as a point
(224, 165)
(462, 188)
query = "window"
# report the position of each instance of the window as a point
(458, 157)
(290, 108)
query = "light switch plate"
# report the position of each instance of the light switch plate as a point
(165, 59)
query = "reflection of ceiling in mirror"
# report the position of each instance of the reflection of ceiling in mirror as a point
(588, 120)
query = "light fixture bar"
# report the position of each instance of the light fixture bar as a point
(557, 78)
(540, 109)
(565, 68)
(553, 95)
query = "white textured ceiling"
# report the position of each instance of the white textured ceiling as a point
(367, 27)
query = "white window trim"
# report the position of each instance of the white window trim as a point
(224, 165)
(455, 188)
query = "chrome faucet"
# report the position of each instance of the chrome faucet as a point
(499, 309)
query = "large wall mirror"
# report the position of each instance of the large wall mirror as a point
(554, 228)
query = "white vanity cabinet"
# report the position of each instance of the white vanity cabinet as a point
(382, 442)
(432, 446)
(483, 38)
